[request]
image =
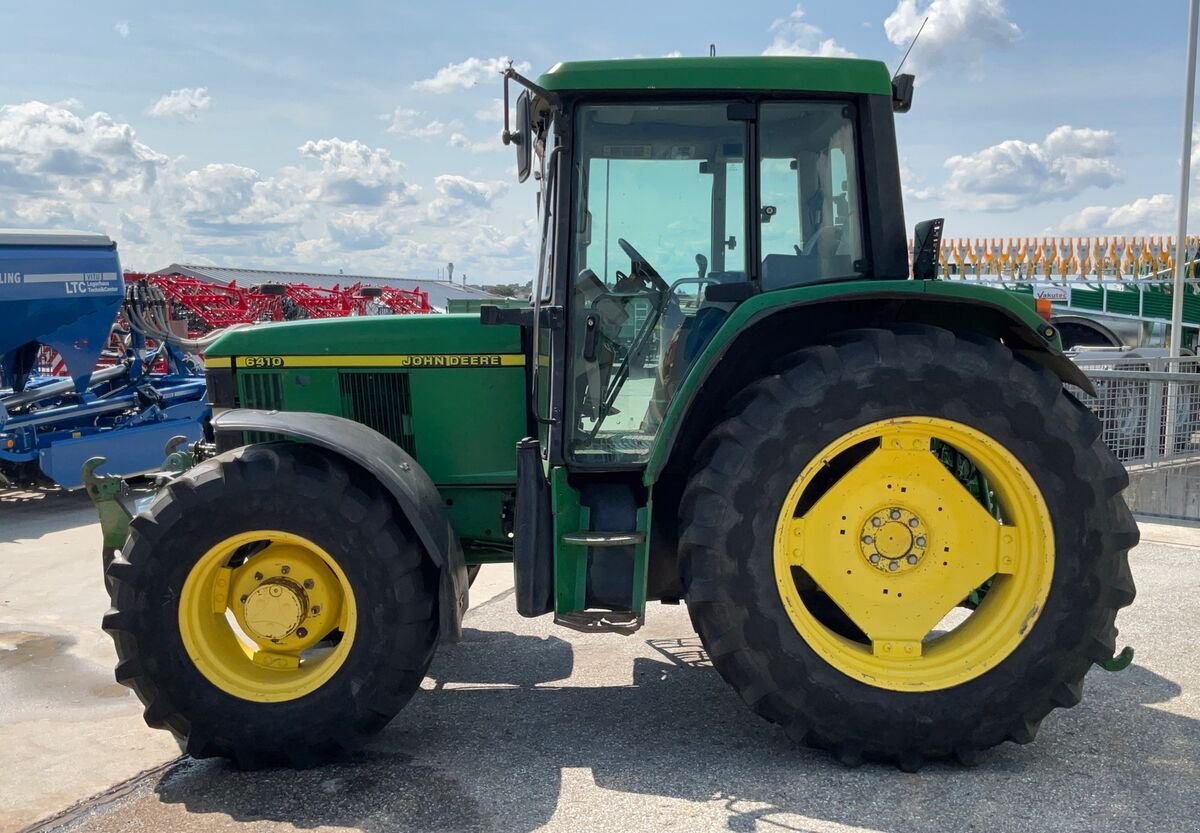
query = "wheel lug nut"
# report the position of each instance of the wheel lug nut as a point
(893, 566)
(912, 559)
(875, 558)
(895, 514)
(302, 632)
(244, 598)
(309, 584)
(920, 540)
(868, 539)
(876, 522)
(258, 576)
(316, 609)
(913, 522)
(285, 569)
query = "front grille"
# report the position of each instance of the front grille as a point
(262, 392)
(380, 401)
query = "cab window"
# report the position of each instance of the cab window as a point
(809, 218)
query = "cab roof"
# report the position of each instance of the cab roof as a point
(759, 73)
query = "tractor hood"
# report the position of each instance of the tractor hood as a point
(445, 388)
(394, 340)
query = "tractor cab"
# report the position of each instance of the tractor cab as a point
(670, 192)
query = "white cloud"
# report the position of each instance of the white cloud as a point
(460, 194)
(468, 190)
(466, 74)
(122, 28)
(493, 113)
(45, 149)
(959, 32)
(793, 36)
(354, 174)
(1080, 141)
(339, 204)
(405, 122)
(1145, 215)
(1015, 173)
(186, 103)
(1195, 155)
(912, 184)
(460, 141)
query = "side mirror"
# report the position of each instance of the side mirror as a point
(522, 137)
(927, 244)
(902, 93)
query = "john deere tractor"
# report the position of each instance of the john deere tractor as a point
(895, 529)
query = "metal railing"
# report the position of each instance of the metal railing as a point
(1149, 410)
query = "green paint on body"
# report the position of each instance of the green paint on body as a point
(774, 73)
(570, 560)
(369, 335)
(460, 422)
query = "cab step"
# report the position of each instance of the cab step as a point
(592, 538)
(601, 621)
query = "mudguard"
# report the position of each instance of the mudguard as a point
(414, 492)
(1029, 335)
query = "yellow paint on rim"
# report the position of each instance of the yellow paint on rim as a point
(898, 542)
(253, 629)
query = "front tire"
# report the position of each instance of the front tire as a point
(271, 607)
(963, 483)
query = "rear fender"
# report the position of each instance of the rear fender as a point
(415, 494)
(771, 324)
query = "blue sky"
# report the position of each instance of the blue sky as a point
(363, 135)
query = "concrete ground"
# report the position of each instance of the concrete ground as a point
(526, 727)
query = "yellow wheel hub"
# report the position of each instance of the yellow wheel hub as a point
(893, 540)
(274, 611)
(898, 543)
(267, 616)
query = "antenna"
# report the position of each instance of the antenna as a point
(910, 46)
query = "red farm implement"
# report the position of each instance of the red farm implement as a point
(208, 306)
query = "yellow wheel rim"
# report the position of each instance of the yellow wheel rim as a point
(267, 616)
(897, 543)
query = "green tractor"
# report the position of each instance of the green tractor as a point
(897, 533)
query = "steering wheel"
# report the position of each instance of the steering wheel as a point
(640, 266)
(657, 289)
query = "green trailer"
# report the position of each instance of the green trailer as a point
(897, 533)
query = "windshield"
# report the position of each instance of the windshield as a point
(659, 213)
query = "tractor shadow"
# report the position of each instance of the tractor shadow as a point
(510, 736)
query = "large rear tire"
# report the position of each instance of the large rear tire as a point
(879, 489)
(271, 607)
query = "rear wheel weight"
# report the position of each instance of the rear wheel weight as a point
(262, 531)
(910, 544)
(815, 666)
